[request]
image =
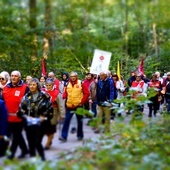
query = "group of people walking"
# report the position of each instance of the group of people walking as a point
(37, 105)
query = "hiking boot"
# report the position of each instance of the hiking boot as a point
(62, 139)
(23, 154)
(73, 130)
(80, 138)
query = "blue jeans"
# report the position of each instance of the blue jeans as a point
(94, 110)
(69, 114)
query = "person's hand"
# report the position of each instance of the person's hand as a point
(61, 119)
(90, 101)
(43, 118)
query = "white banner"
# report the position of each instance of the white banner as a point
(101, 61)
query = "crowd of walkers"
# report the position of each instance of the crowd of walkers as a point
(37, 105)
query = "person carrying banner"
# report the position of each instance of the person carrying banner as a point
(104, 95)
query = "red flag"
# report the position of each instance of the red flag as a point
(43, 67)
(141, 67)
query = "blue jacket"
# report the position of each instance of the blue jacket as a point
(105, 91)
(3, 118)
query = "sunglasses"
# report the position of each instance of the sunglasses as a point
(2, 79)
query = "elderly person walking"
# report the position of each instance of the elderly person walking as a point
(58, 110)
(4, 80)
(12, 94)
(36, 109)
(104, 95)
(76, 95)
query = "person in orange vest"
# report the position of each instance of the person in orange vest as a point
(76, 94)
(139, 87)
(156, 85)
(58, 110)
(12, 94)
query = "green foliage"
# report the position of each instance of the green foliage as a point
(144, 145)
(124, 28)
(133, 143)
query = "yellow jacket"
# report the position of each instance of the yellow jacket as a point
(74, 94)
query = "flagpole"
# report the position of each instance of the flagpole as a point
(118, 70)
(43, 67)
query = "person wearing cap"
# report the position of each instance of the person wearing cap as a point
(156, 85)
(58, 110)
(12, 94)
(139, 87)
(36, 110)
(4, 80)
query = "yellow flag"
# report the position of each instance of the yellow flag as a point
(118, 70)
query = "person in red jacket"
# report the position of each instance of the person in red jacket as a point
(157, 86)
(139, 87)
(12, 94)
(58, 110)
(57, 84)
(76, 95)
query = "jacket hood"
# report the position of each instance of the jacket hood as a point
(65, 73)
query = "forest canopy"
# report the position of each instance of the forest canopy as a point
(66, 33)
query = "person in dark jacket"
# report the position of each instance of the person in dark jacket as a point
(65, 78)
(104, 95)
(3, 128)
(36, 109)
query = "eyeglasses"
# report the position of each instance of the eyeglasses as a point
(2, 79)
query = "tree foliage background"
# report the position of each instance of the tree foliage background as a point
(67, 32)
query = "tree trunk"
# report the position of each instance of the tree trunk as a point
(126, 28)
(48, 41)
(155, 39)
(33, 13)
(33, 24)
